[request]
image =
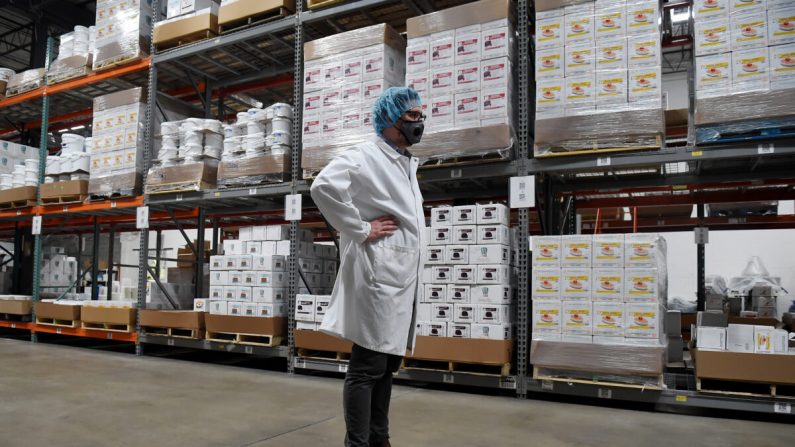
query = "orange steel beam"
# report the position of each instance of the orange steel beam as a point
(127, 202)
(119, 219)
(131, 337)
(16, 324)
(694, 197)
(685, 186)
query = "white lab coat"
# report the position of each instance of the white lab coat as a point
(374, 299)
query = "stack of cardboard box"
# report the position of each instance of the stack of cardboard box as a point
(122, 31)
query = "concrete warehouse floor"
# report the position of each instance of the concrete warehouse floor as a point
(62, 396)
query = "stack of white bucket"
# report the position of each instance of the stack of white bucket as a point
(259, 132)
(74, 162)
(190, 141)
(24, 174)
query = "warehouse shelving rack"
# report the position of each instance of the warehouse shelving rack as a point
(269, 57)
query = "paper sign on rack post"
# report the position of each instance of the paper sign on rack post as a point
(36, 227)
(292, 207)
(523, 192)
(142, 217)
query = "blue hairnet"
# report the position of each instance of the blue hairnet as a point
(395, 101)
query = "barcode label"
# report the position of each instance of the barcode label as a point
(781, 407)
(603, 161)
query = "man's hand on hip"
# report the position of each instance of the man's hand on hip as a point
(382, 227)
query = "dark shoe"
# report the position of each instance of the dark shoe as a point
(384, 443)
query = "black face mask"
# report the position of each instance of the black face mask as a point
(411, 130)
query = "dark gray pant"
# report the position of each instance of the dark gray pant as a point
(366, 395)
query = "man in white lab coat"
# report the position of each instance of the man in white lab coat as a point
(370, 195)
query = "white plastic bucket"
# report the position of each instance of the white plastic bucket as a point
(49, 179)
(213, 141)
(72, 143)
(213, 126)
(67, 164)
(229, 131)
(255, 128)
(280, 149)
(6, 180)
(282, 125)
(169, 128)
(279, 138)
(78, 176)
(54, 165)
(243, 117)
(6, 73)
(32, 164)
(88, 145)
(280, 110)
(82, 162)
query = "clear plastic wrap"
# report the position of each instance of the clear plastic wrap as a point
(122, 32)
(715, 284)
(74, 56)
(116, 158)
(336, 44)
(598, 360)
(194, 176)
(24, 81)
(754, 274)
(723, 116)
(254, 171)
(458, 17)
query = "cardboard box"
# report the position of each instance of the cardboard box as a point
(642, 18)
(491, 331)
(645, 85)
(60, 189)
(270, 263)
(463, 235)
(246, 325)
(611, 89)
(490, 12)
(644, 51)
(441, 216)
(465, 215)
(495, 74)
(443, 80)
(172, 319)
(467, 47)
(442, 113)
(442, 49)
(176, 29)
(580, 59)
(441, 274)
(436, 329)
(458, 330)
(709, 9)
(608, 284)
(550, 63)
(711, 338)
(611, 55)
(580, 94)
(608, 319)
(577, 317)
(748, 31)
(493, 234)
(264, 165)
(490, 294)
(644, 250)
(231, 12)
(442, 312)
(458, 293)
(576, 284)
(546, 250)
(219, 307)
(201, 305)
(763, 339)
(496, 42)
(576, 251)
(418, 56)
(234, 308)
(56, 311)
(643, 320)
(435, 293)
(745, 367)
(610, 23)
(217, 292)
(464, 313)
(644, 285)
(713, 75)
(781, 25)
(441, 235)
(108, 315)
(489, 254)
(608, 250)
(712, 37)
(493, 214)
(782, 67)
(740, 338)
(218, 278)
(467, 110)
(320, 341)
(481, 351)
(434, 254)
(305, 308)
(493, 274)
(546, 283)
(16, 307)
(458, 254)
(464, 274)
(493, 314)
(550, 33)
(750, 70)
(579, 28)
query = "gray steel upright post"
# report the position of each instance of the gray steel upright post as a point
(292, 263)
(523, 143)
(149, 133)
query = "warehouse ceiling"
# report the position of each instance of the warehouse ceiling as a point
(25, 25)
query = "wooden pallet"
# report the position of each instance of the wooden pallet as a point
(606, 150)
(761, 134)
(109, 327)
(502, 370)
(173, 332)
(244, 339)
(117, 194)
(257, 19)
(14, 91)
(615, 380)
(63, 200)
(171, 188)
(113, 63)
(467, 160)
(58, 323)
(17, 204)
(198, 36)
(324, 355)
(744, 389)
(223, 185)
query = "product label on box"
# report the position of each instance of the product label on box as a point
(467, 47)
(611, 54)
(749, 31)
(644, 51)
(549, 63)
(312, 127)
(442, 52)
(418, 82)
(546, 283)
(331, 98)
(608, 284)
(612, 87)
(331, 124)
(610, 23)
(641, 285)
(642, 321)
(467, 77)
(644, 84)
(576, 251)
(576, 283)
(495, 72)
(579, 28)
(711, 8)
(781, 23)
(546, 250)
(579, 60)
(352, 120)
(642, 18)
(750, 68)
(549, 32)
(372, 90)
(441, 109)
(713, 72)
(417, 58)
(352, 70)
(782, 62)
(608, 319)
(495, 102)
(495, 42)
(577, 317)
(458, 293)
(467, 108)
(441, 81)
(744, 6)
(332, 73)
(579, 90)
(351, 94)
(373, 65)
(712, 37)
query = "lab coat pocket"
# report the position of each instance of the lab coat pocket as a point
(394, 265)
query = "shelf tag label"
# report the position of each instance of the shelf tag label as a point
(248, 350)
(546, 385)
(13, 325)
(523, 192)
(178, 198)
(292, 207)
(19, 212)
(252, 191)
(300, 363)
(110, 335)
(681, 398)
(217, 194)
(65, 209)
(781, 407)
(57, 330)
(142, 217)
(603, 161)
(448, 378)
(170, 342)
(604, 393)
(764, 149)
(455, 173)
(508, 383)
(702, 235)
(697, 153)
(343, 368)
(36, 225)
(113, 204)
